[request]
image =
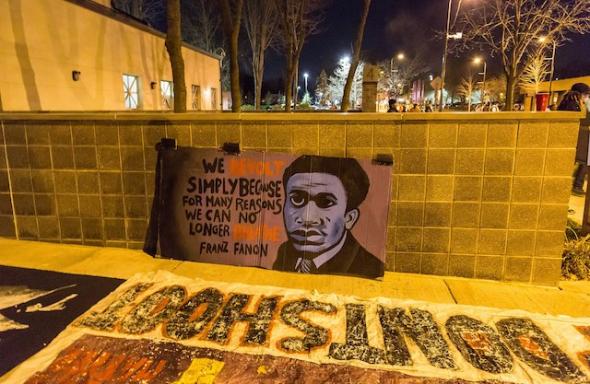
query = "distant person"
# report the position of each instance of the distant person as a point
(578, 99)
(392, 106)
(322, 196)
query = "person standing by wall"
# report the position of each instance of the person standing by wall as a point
(578, 99)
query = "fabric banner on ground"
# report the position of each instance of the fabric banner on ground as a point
(35, 306)
(307, 214)
(162, 328)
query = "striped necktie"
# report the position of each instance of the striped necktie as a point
(306, 266)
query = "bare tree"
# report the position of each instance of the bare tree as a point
(533, 74)
(465, 89)
(322, 92)
(355, 56)
(496, 88)
(174, 48)
(260, 20)
(512, 28)
(232, 18)
(201, 24)
(298, 19)
(148, 11)
(394, 79)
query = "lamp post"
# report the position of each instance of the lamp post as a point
(221, 53)
(543, 40)
(444, 59)
(400, 57)
(305, 76)
(456, 36)
(477, 61)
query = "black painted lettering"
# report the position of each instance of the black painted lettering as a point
(191, 214)
(232, 312)
(479, 344)
(584, 356)
(215, 166)
(357, 340)
(152, 310)
(536, 349)
(106, 320)
(421, 328)
(192, 184)
(194, 315)
(315, 336)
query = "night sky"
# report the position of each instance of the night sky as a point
(407, 26)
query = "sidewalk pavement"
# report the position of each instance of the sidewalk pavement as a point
(576, 208)
(568, 298)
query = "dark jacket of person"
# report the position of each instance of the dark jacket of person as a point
(352, 259)
(571, 102)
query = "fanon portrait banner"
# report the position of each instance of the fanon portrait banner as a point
(308, 214)
(162, 328)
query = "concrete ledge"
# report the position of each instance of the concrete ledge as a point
(293, 116)
(572, 300)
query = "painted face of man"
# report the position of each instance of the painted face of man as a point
(315, 212)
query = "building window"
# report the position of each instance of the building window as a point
(196, 92)
(131, 91)
(167, 93)
(213, 99)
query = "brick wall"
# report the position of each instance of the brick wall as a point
(480, 195)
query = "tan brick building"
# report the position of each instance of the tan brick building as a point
(558, 88)
(63, 55)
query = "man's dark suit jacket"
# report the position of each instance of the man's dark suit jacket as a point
(352, 259)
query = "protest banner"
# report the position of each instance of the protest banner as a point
(163, 328)
(35, 306)
(308, 214)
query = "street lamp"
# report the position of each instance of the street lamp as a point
(305, 76)
(400, 57)
(477, 61)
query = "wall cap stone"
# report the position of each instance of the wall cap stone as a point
(291, 117)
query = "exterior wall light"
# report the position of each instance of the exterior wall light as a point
(153, 85)
(76, 75)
